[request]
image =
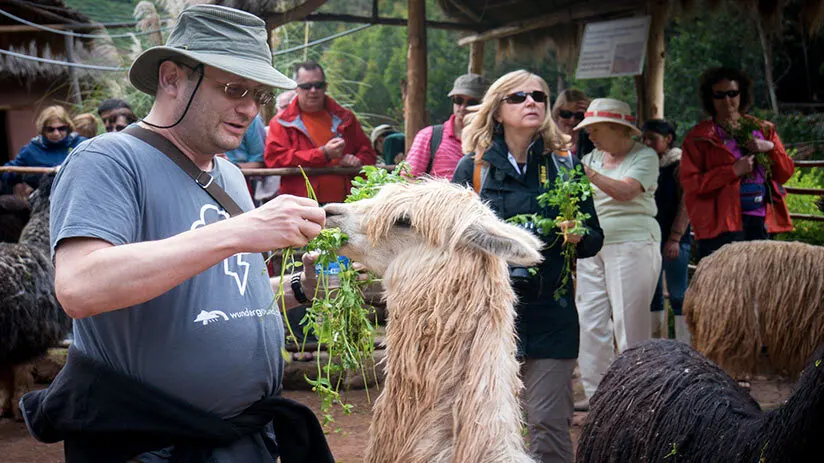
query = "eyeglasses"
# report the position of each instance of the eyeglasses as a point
(728, 93)
(519, 97)
(564, 114)
(238, 92)
(62, 128)
(310, 85)
(460, 101)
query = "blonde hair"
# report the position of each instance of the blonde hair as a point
(53, 112)
(479, 126)
(85, 124)
(570, 95)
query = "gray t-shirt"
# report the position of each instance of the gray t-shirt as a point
(214, 340)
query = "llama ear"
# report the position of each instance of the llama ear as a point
(513, 244)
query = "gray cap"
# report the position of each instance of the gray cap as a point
(472, 85)
(225, 38)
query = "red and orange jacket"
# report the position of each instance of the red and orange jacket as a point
(711, 187)
(288, 144)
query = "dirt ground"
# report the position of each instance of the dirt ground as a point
(347, 435)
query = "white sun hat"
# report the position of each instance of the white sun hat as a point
(609, 110)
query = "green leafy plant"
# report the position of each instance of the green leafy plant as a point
(743, 134)
(339, 317)
(374, 178)
(570, 188)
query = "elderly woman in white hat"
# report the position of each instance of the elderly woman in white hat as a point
(615, 287)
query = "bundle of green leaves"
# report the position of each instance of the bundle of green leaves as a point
(338, 316)
(569, 189)
(742, 133)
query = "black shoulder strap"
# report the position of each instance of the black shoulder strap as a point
(200, 177)
(434, 144)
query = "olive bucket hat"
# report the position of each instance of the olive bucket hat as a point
(225, 38)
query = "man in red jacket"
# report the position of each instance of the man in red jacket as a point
(315, 131)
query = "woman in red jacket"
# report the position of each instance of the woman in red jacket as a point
(732, 167)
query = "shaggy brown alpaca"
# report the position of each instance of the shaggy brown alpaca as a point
(758, 293)
(450, 393)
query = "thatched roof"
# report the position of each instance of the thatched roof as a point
(558, 24)
(41, 44)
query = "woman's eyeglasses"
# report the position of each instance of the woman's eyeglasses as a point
(238, 92)
(310, 85)
(62, 128)
(460, 101)
(564, 114)
(519, 97)
(728, 93)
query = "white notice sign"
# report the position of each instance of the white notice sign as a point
(613, 48)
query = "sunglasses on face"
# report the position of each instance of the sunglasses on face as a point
(238, 92)
(728, 93)
(519, 97)
(460, 101)
(62, 128)
(310, 85)
(564, 114)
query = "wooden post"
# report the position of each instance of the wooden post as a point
(75, 84)
(654, 67)
(476, 58)
(766, 50)
(416, 70)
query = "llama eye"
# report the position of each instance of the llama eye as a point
(403, 222)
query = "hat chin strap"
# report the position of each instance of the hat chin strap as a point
(191, 98)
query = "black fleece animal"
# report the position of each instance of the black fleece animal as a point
(31, 320)
(663, 401)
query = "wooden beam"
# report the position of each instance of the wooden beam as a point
(571, 14)
(75, 83)
(476, 58)
(295, 14)
(656, 58)
(348, 18)
(415, 116)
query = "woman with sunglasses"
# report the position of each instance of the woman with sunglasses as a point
(512, 139)
(55, 140)
(616, 286)
(729, 196)
(567, 112)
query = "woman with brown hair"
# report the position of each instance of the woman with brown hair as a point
(55, 140)
(85, 125)
(512, 135)
(732, 167)
(567, 112)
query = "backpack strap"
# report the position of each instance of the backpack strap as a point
(479, 175)
(434, 144)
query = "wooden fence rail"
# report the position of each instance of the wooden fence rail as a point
(287, 171)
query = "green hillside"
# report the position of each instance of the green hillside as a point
(105, 10)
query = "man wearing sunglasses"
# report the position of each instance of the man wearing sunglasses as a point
(178, 337)
(436, 149)
(315, 131)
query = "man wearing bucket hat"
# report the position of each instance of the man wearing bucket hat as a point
(436, 149)
(177, 352)
(315, 131)
(615, 287)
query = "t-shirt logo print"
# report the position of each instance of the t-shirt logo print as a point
(208, 317)
(235, 267)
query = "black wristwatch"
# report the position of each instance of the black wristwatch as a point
(297, 289)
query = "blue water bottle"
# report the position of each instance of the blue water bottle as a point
(332, 270)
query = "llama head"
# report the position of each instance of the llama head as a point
(432, 214)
